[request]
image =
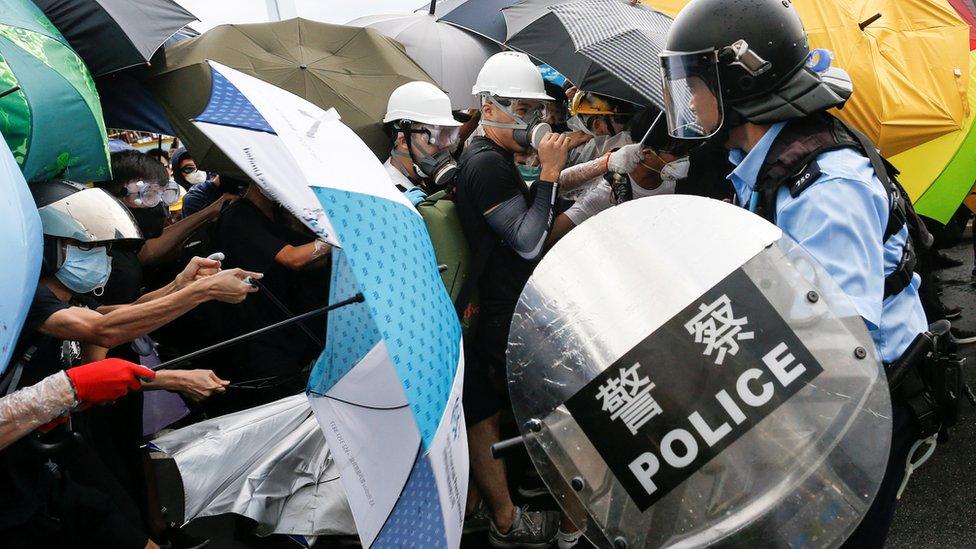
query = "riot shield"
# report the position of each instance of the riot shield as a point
(686, 375)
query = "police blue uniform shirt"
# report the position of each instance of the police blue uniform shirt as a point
(839, 220)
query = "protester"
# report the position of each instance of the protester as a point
(423, 129)
(184, 169)
(651, 166)
(255, 233)
(79, 225)
(501, 217)
(756, 94)
(604, 120)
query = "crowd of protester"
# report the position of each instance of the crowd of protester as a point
(170, 258)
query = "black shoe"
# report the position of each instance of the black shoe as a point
(942, 261)
(962, 337)
(952, 313)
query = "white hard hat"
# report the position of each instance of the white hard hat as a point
(511, 74)
(420, 102)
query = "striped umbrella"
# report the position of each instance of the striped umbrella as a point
(609, 47)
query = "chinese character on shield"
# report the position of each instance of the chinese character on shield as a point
(628, 397)
(715, 325)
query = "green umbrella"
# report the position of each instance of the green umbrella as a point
(49, 110)
(352, 69)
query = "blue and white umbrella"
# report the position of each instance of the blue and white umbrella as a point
(20, 238)
(387, 389)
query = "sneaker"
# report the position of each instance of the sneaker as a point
(532, 485)
(962, 337)
(530, 529)
(478, 520)
(952, 313)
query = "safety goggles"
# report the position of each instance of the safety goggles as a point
(150, 195)
(440, 137)
(187, 170)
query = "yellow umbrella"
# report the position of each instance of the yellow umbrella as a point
(908, 64)
(938, 174)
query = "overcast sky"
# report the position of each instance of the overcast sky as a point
(216, 12)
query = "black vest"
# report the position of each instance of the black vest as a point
(791, 161)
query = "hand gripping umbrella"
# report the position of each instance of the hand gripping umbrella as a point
(386, 390)
(715, 387)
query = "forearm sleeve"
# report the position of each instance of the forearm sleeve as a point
(26, 409)
(525, 228)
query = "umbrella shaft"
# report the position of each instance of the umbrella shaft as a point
(358, 298)
(7, 92)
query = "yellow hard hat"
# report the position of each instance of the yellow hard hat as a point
(589, 103)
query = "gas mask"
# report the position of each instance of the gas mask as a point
(528, 130)
(437, 169)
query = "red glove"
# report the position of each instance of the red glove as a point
(107, 380)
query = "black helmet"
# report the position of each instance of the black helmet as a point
(750, 55)
(69, 210)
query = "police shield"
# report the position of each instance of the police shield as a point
(686, 375)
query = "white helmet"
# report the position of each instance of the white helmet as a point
(513, 75)
(420, 102)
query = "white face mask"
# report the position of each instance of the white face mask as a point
(675, 170)
(197, 177)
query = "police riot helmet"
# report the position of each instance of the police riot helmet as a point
(733, 62)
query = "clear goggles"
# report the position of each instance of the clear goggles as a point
(150, 195)
(440, 137)
(692, 94)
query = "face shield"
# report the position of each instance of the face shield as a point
(692, 94)
(91, 215)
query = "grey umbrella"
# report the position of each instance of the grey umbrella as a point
(609, 47)
(451, 56)
(111, 35)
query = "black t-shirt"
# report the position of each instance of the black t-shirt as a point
(51, 354)
(251, 241)
(487, 176)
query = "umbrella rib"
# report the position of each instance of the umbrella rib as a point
(367, 407)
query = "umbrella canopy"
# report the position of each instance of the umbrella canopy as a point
(939, 174)
(908, 60)
(386, 390)
(349, 68)
(53, 121)
(451, 56)
(111, 35)
(605, 46)
(269, 463)
(967, 10)
(20, 238)
(481, 17)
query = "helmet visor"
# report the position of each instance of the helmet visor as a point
(91, 215)
(692, 94)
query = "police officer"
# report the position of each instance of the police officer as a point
(742, 73)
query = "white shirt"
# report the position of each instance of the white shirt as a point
(396, 177)
(598, 199)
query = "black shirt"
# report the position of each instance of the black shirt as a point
(251, 241)
(487, 176)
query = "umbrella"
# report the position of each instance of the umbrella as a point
(451, 56)
(269, 463)
(20, 237)
(53, 121)
(349, 68)
(939, 174)
(967, 10)
(386, 390)
(111, 35)
(604, 46)
(907, 59)
(481, 17)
